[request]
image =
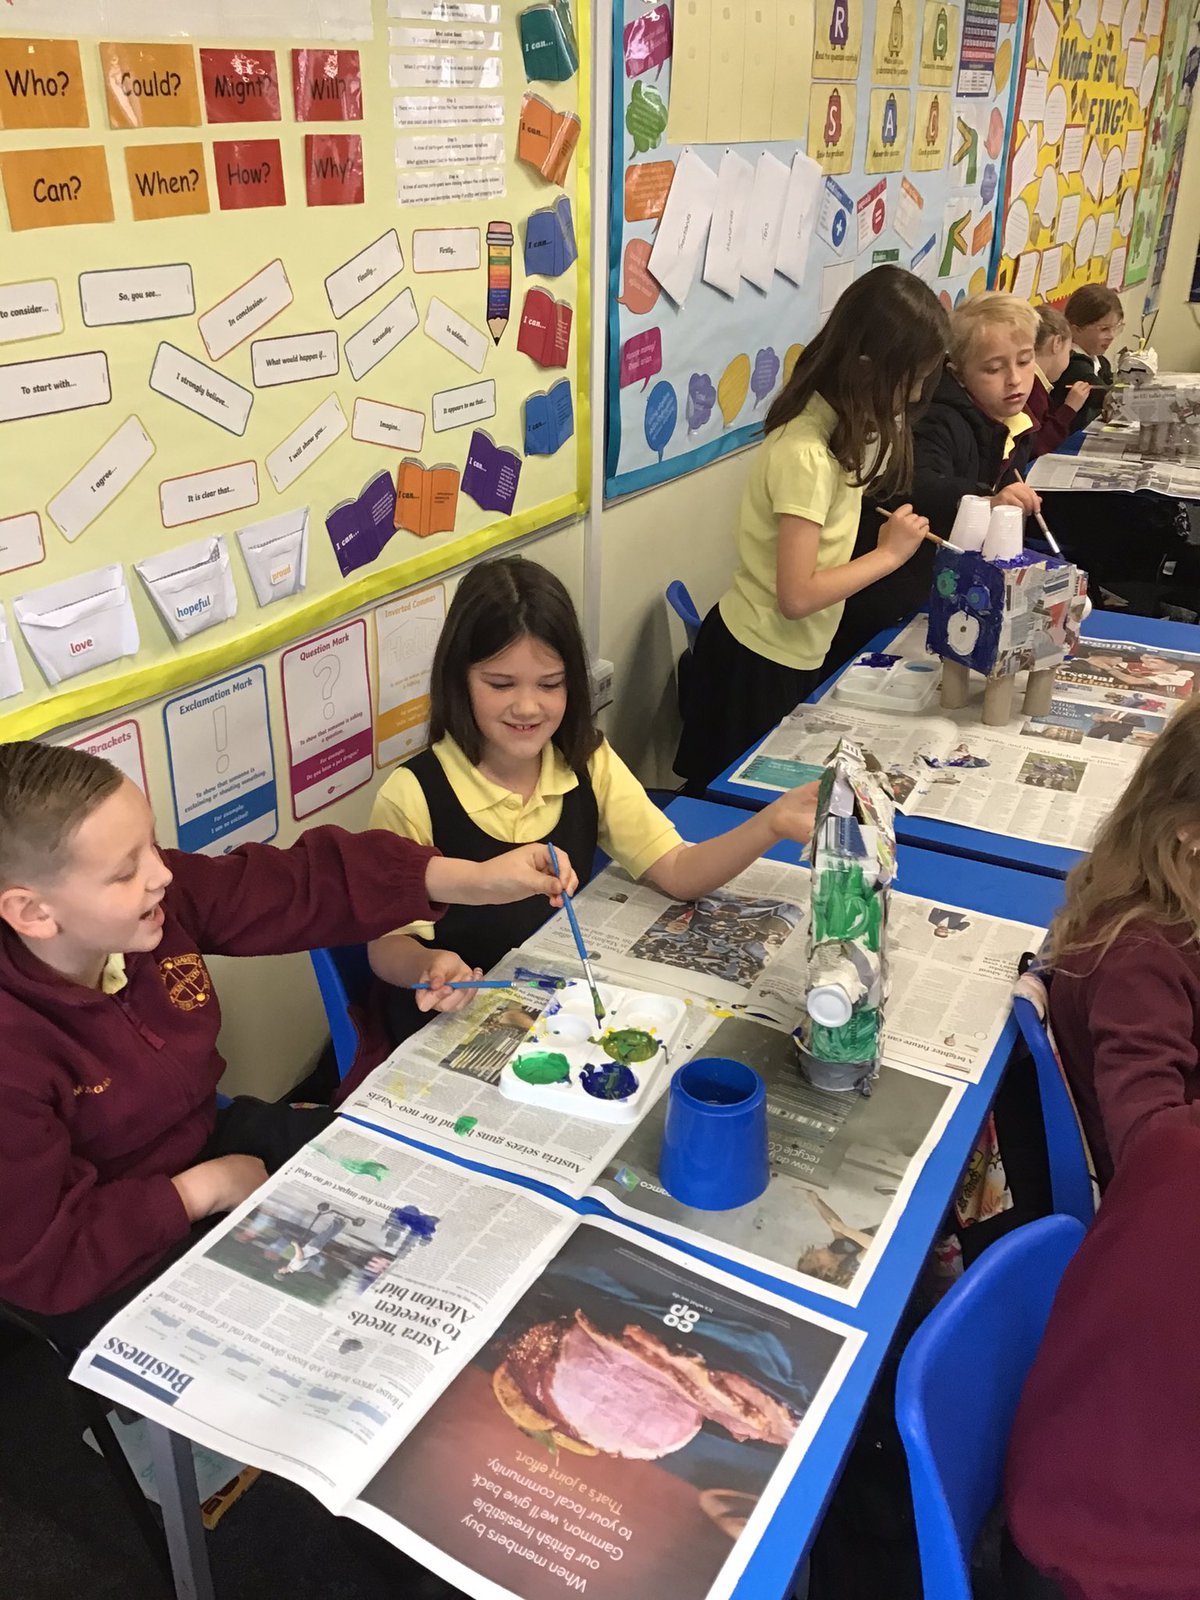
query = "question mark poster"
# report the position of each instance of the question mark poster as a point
(221, 764)
(327, 714)
(1089, 70)
(728, 252)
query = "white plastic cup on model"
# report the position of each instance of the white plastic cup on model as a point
(1005, 535)
(971, 523)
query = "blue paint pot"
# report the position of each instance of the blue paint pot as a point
(714, 1148)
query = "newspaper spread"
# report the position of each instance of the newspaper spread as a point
(1052, 779)
(527, 1402)
(1116, 464)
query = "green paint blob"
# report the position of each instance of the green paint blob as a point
(629, 1044)
(465, 1124)
(542, 1067)
(360, 1169)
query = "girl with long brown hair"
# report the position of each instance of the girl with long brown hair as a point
(1125, 953)
(840, 425)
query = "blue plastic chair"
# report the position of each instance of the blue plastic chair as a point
(343, 977)
(684, 607)
(958, 1386)
(1070, 1180)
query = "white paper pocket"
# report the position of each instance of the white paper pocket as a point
(10, 668)
(192, 586)
(81, 623)
(276, 555)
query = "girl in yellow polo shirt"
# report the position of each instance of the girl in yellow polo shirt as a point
(515, 757)
(840, 425)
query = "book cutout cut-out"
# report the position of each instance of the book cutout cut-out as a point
(548, 42)
(545, 329)
(359, 529)
(549, 419)
(426, 498)
(492, 474)
(550, 246)
(547, 138)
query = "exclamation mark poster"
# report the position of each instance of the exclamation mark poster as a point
(222, 766)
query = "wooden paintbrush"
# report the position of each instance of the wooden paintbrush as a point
(928, 534)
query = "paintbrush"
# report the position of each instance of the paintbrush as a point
(597, 1003)
(928, 534)
(1041, 522)
(472, 983)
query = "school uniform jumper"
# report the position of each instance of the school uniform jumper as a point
(1054, 423)
(1082, 368)
(104, 1097)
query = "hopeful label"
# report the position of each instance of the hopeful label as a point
(54, 188)
(41, 84)
(150, 85)
(249, 173)
(166, 180)
(240, 85)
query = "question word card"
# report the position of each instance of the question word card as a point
(222, 769)
(327, 713)
(166, 180)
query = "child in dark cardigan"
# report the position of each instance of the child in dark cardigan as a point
(1058, 422)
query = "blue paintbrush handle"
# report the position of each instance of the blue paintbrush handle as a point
(570, 910)
(473, 983)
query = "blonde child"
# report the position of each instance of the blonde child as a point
(841, 425)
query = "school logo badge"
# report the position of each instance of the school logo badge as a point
(186, 980)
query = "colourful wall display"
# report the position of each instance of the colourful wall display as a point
(1169, 119)
(284, 326)
(726, 257)
(1088, 75)
(1166, 114)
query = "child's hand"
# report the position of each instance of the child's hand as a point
(901, 534)
(1018, 494)
(1078, 395)
(445, 967)
(516, 875)
(220, 1185)
(794, 814)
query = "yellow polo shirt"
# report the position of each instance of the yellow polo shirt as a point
(632, 830)
(792, 474)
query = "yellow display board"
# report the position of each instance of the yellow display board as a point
(288, 321)
(1075, 155)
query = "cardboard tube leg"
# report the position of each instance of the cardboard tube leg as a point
(1038, 693)
(956, 684)
(997, 701)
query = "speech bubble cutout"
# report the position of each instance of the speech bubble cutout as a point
(1149, 79)
(1003, 66)
(1086, 240)
(766, 370)
(641, 358)
(1131, 21)
(733, 388)
(1112, 171)
(646, 190)
(640, 293)
(1056, 114)
(645, 118)
(987, 187)
(662, 413)
(1016, 228)
(701, 398)
(1087, 17)
(994, 142)
(791, 355)
(647, 42)
(1047, 200)
(1125, 214)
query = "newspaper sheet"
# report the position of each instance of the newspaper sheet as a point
(1105, 471)
(526, 1402)
(842, 1169)
(1052, 779)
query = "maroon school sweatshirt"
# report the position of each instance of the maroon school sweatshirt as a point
(1100, 1487)
(1053, 424)
(1129, 1035)
(104, 1098)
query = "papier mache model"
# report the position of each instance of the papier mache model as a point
(853, 853)
(1002, 616)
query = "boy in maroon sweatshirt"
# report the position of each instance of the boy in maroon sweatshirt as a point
(1053, 350)
(112, 1148)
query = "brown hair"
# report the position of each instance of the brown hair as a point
(991, 309)
(1051, 325)
(885, 332)
(497, 603)
(46, 791)
(1144, 865)
(1091, 304)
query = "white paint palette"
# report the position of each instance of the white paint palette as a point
(604, 1071)
(904, 685)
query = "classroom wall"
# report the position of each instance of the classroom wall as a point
(1176, 334)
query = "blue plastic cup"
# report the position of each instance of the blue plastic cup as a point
(714, 1148)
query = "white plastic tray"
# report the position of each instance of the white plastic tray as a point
(905, 686)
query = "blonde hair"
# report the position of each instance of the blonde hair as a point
(46, 791)
(1144, 865)
(1051, 325)
(992, 309)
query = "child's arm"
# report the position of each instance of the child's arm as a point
(401, 960)
(691, 870)
(1061, 421)
(802, 588)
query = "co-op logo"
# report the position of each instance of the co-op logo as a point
(144, 1369)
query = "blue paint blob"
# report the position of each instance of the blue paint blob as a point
(609, 1082)
(415, 1221)
(877, 658)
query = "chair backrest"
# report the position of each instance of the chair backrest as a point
(1070, 1179)
(684, 607)
(343, 977)
(958, 1386)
